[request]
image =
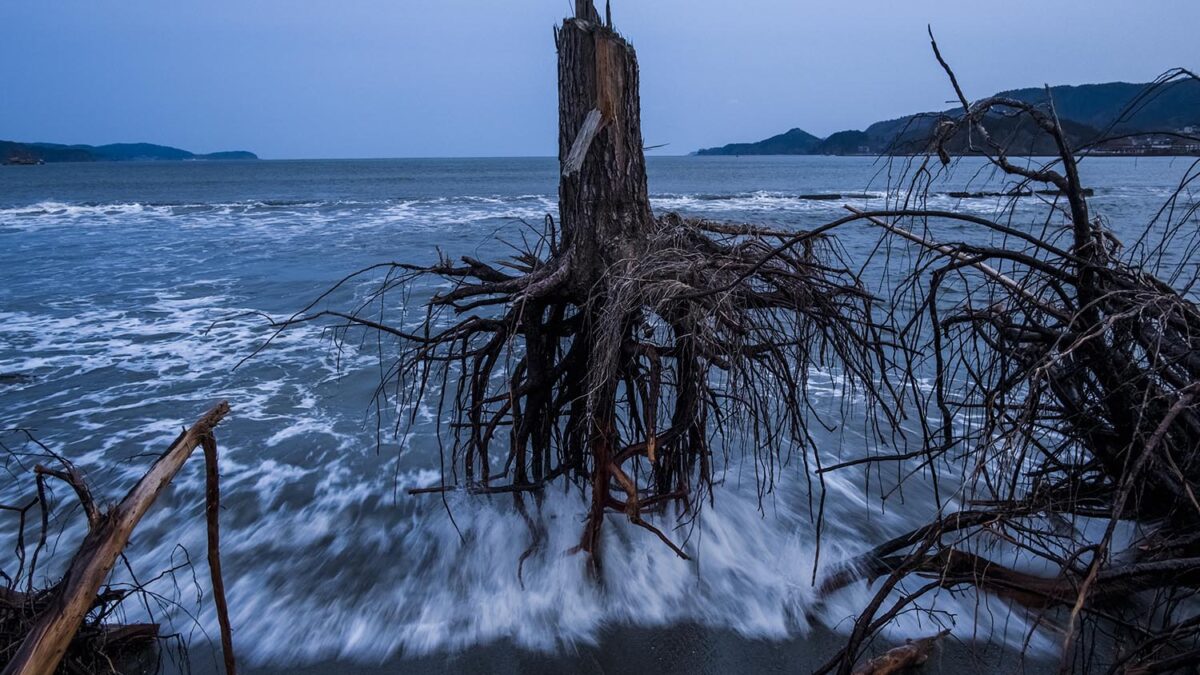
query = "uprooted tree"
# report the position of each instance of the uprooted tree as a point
(1065, 378)
(624, 351)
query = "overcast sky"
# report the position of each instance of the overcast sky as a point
(419, 78)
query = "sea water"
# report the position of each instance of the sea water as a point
(131, 295)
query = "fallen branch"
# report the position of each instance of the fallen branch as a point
(46, 643)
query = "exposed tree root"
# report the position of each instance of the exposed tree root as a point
(1067, 382)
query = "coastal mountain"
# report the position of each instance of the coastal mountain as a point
(1097, 105)
(794, 142)
(33, 153)
(1086, 112)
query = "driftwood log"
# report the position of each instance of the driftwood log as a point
(62, 610)
(903, 659)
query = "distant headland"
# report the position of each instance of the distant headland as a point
(12, 152)
(1167, 123)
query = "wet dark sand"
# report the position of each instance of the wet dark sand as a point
(680, 649)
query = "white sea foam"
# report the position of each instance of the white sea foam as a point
(323, 562)
(325, 554)
(280, 218)
(337, 578)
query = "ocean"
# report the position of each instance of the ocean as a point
(131, 295)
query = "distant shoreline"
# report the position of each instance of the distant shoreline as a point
(27, 154)
(1091, 115)
(546, 158)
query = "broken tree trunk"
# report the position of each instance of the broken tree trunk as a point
(53, 631)
(604, 202)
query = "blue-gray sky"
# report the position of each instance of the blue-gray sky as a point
(419, 78)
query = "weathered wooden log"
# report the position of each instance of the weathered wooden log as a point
(112, 639)
(46, 643)
(912, 654)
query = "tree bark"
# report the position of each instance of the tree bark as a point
(604, 202)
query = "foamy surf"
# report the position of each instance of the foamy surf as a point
(122, 316)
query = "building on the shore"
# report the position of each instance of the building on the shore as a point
(1153, 144)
